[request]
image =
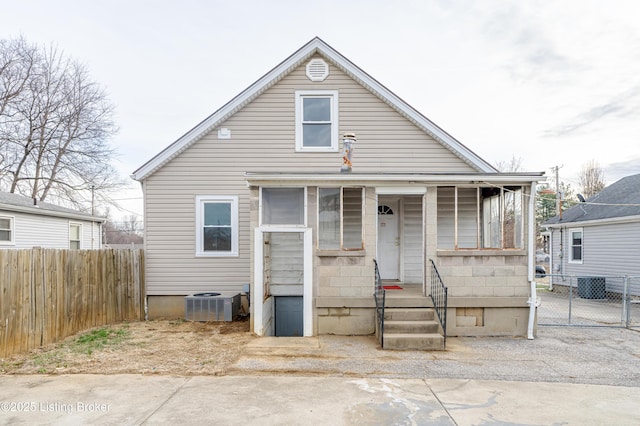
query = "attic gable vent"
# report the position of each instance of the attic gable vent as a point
(317, 69)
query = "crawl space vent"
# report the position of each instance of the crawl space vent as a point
(218, 306)
(317, 69)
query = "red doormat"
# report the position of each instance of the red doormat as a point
(392, 287)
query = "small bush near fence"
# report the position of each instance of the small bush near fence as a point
(49, 294)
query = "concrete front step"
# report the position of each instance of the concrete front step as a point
(414, 341)
(420, 326)
(409, 314)
(408, 302)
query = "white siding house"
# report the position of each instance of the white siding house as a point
(266, 192)
(25, 223)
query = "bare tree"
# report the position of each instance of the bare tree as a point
(591, 179)
(128, 230)
(131, 225)
(17, 60)
(514, 165)
(55, 126)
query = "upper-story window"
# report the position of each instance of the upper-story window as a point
(317, 120)
(6, 230)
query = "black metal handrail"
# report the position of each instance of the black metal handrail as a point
(439, 298)
(380, 295)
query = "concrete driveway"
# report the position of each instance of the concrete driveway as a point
(565, 376)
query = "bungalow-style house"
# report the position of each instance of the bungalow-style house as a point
(305, 178)
(599, 237)
(27, 223)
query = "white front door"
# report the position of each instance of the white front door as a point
(389, 239)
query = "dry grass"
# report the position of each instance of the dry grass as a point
(153, 347)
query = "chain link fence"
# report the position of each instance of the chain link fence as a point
(592, 301)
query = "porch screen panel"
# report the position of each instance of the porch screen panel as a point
(491, 225)
(283, 206)
(352, 218)
(512, 218)
(329, 218)
(509, 219)
(519, 216)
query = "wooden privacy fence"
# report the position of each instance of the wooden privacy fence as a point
(49, 294)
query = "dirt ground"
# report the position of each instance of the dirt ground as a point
(153, 347)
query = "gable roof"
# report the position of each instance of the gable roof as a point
(315, 46)
(618, 200)
(19, 203)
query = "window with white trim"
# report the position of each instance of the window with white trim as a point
(317, 120)
(282, 206)
(216, 225)
(6, 230)
(75, 236)
(340, 212)
(576, 244)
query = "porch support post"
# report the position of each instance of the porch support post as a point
(307, 298)
(258, 282)
(531, 244)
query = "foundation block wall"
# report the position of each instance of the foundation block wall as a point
(485, 276)
(345, 276)
(487, 294)
(346, 321)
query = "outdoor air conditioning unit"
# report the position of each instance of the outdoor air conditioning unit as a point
(216, 306)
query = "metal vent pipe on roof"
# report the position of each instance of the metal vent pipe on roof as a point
(348, 144)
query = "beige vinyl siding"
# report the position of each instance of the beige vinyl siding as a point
(263, 140)
(413, 240)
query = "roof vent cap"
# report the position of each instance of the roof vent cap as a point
(317, 69)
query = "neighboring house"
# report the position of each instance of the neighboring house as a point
(600, 237)
(255, 194)
(27, 223)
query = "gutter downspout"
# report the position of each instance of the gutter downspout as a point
(533, 297)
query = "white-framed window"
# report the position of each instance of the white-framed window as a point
(283, 206)
(317, 120)
(75, 236)
(340, 218)
(7, 236)
(575, 245)
(216, 225)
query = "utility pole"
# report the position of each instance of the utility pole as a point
(558, 193)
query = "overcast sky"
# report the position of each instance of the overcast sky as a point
(556, 83)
